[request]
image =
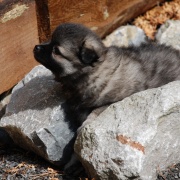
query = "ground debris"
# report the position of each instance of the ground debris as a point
(171, 173)
(21, 164)
(155, 17)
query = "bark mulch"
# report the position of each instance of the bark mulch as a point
(157, 16)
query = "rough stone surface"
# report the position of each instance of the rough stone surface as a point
(169, 34)
(35, 117)
(3, 104)
(125, 36)
(134, 138)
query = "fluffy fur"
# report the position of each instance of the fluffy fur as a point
(93, 75)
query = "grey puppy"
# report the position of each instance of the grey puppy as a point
(93, 75)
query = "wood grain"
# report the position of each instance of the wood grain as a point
(18, 37)
(43, 20)
(103, 16)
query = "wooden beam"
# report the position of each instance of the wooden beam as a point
(43, 20)
(103, 16)
(18, 27)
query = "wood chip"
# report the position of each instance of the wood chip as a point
(153, 18)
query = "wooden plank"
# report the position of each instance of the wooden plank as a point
(18, 35)
(103, 16)
(43, 20)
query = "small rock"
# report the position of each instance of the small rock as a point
(169, 34)
(125, 36)
(135, 137)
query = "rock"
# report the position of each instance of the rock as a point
(169, 34)
(125, 36)
(35, 117)
(3, 103)
(134, 138)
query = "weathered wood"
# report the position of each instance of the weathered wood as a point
(43, 20)
(18, 35)
(103, 16)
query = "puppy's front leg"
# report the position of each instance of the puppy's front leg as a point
(74, 167)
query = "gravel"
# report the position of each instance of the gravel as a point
(18, 164)
(171, 173)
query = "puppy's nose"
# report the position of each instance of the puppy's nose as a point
(38, 48)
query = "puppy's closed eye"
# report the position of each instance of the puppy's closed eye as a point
(59, 52)
(56, 51)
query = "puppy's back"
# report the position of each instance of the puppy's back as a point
(124, 71)
(160, 63)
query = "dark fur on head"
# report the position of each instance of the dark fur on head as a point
(93, 75)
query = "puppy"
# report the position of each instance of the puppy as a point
(93, 75)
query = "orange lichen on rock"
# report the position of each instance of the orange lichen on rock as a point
(128, 141)
(153, 18)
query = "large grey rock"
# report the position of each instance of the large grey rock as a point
(169, 34)
(134, 138)
(35, 117)
(125, 36)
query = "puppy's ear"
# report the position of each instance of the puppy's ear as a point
(91, 50)
(88, 56)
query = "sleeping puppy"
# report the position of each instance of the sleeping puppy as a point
(93, 75)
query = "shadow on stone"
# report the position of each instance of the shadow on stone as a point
(36, 117)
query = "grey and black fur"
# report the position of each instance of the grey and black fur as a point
(93, 75)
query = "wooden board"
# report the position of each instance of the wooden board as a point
(103, 16)
(18, 35)
(43, 20)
